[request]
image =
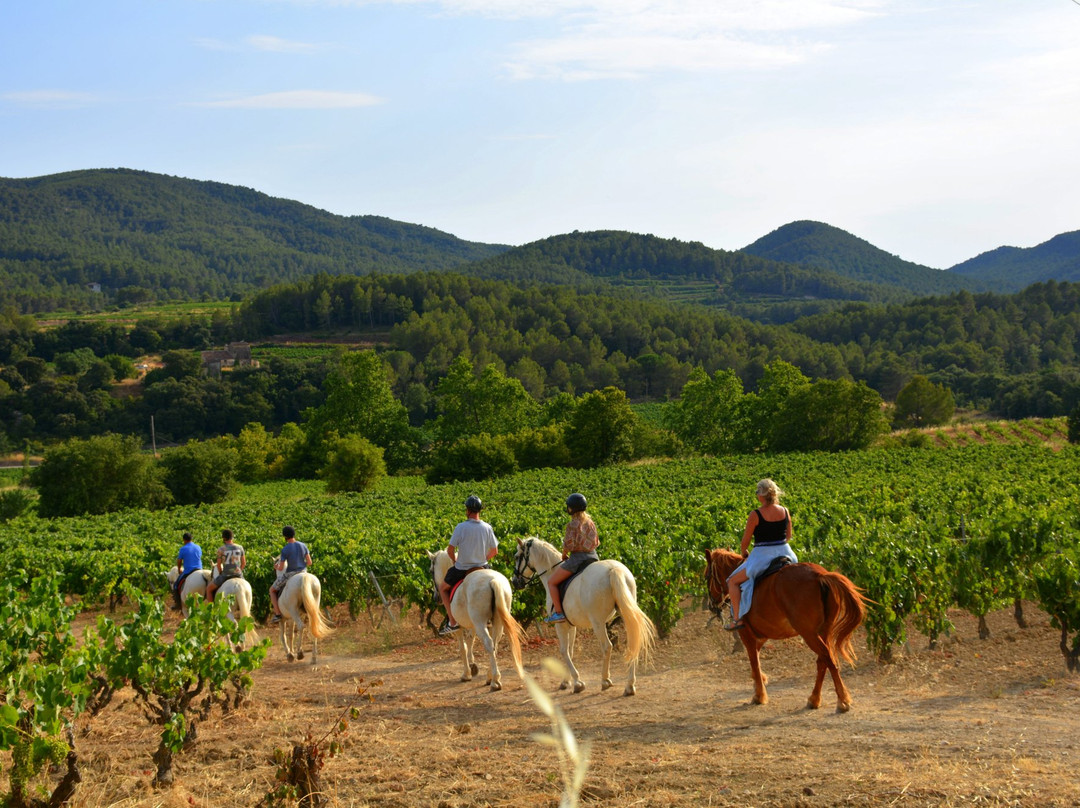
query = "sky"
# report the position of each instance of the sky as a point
(935, 129)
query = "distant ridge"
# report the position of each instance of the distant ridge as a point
(815, 244)
(1013, 268)
(179, 238)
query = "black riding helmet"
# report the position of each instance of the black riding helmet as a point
(473, 504)
(575, 503)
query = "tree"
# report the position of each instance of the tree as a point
(200, 472)
(492, 403)
(1073, 422)
(711, 414)
(98, 475)
(354, 464)
(828, 415)
(601, 429)
(360, 401)
(923, 403)
(477, 457)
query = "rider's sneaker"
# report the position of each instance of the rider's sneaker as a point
(448, 629)
(275, 619)
(555, 617)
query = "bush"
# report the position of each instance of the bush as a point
(479, 457)
(13, 503)
(540, 448)
(98, 475)
(355, 464)
(200, 472)
(1073, 422)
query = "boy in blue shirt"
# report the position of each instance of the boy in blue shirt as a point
(293, 560)
(188, 560)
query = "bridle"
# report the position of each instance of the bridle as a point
(713, 577)
(521, 563)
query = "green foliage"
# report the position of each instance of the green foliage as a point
(200, 472)
(355, 464)
(923, 403)
(478, 457)
(180, 681)
(1057, 582)
(97, 475)
(1073, 425)
(491, 403)
(712, 416)
(601, 429)
(14, 502)
(828, 416)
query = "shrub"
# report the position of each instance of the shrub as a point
(355, 464)
(98, 475)
(14, 502)
(200, 472)
(479, 457)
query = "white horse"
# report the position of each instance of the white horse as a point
(194, 584)
(481, 601)
(236, 588)
(300, 599)
(591, 601)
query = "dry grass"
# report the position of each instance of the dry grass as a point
(989, 723)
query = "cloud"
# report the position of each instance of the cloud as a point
(51, 99)
(298, 99)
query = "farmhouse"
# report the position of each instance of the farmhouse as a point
(235, 354)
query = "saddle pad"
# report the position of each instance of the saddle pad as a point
(773, 568)
(581, 569)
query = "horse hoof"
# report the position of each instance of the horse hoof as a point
(475, 669)
(496, 686)
(290, 657)
(630, 691)
(604, 685)
(299, 654)
(563, 685)
(812, 705)
(466, 678)
(579, 686)
(843, 707)
(759, 700)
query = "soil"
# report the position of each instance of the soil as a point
(986, 722)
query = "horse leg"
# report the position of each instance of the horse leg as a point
(494, 677)
(753, 646)
(605, 656)
(285, 641)
(825, 662)
(567, 636)
(469, 668)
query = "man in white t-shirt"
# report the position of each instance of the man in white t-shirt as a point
(471, 547)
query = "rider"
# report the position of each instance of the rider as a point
(231, 561)
(770, 527)
(579, 548)
(293, 560)
(188, 560)
(472, 546)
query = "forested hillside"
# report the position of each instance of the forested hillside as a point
(144, 236)
(813, 244)
(1012, 268)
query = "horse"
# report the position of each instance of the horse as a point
(481, 600)
(237, 588)
(591, 599)
(822, 607)
(194, 584)
(298, 599)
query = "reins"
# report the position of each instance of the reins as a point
(537, 575)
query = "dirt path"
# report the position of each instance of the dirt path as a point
(979, 722)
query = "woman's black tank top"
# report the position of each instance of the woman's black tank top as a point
(770, 533)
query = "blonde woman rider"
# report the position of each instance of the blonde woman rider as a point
(770, 528)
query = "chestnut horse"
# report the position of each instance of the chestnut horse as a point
(822, 607)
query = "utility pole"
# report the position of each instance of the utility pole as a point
(153, 437)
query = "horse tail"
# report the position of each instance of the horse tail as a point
(514, 632)
(844, 610)
(640, 631)
(243, 609)
(309, 594)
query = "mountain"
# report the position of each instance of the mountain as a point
(813, 244)
(143, 235)
(1013, 268)
(681, 270)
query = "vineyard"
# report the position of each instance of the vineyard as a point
(919, 530)
(926, 533)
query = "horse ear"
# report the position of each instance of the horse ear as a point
(520, 543)
(431, 554)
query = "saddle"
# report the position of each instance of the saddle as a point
(468, 572)
(773, 568)
(581, 569)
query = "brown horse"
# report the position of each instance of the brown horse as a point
(822, 607)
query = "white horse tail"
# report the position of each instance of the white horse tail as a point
(243, 609)
(640, 631)
(309, 594)
(500, 593)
